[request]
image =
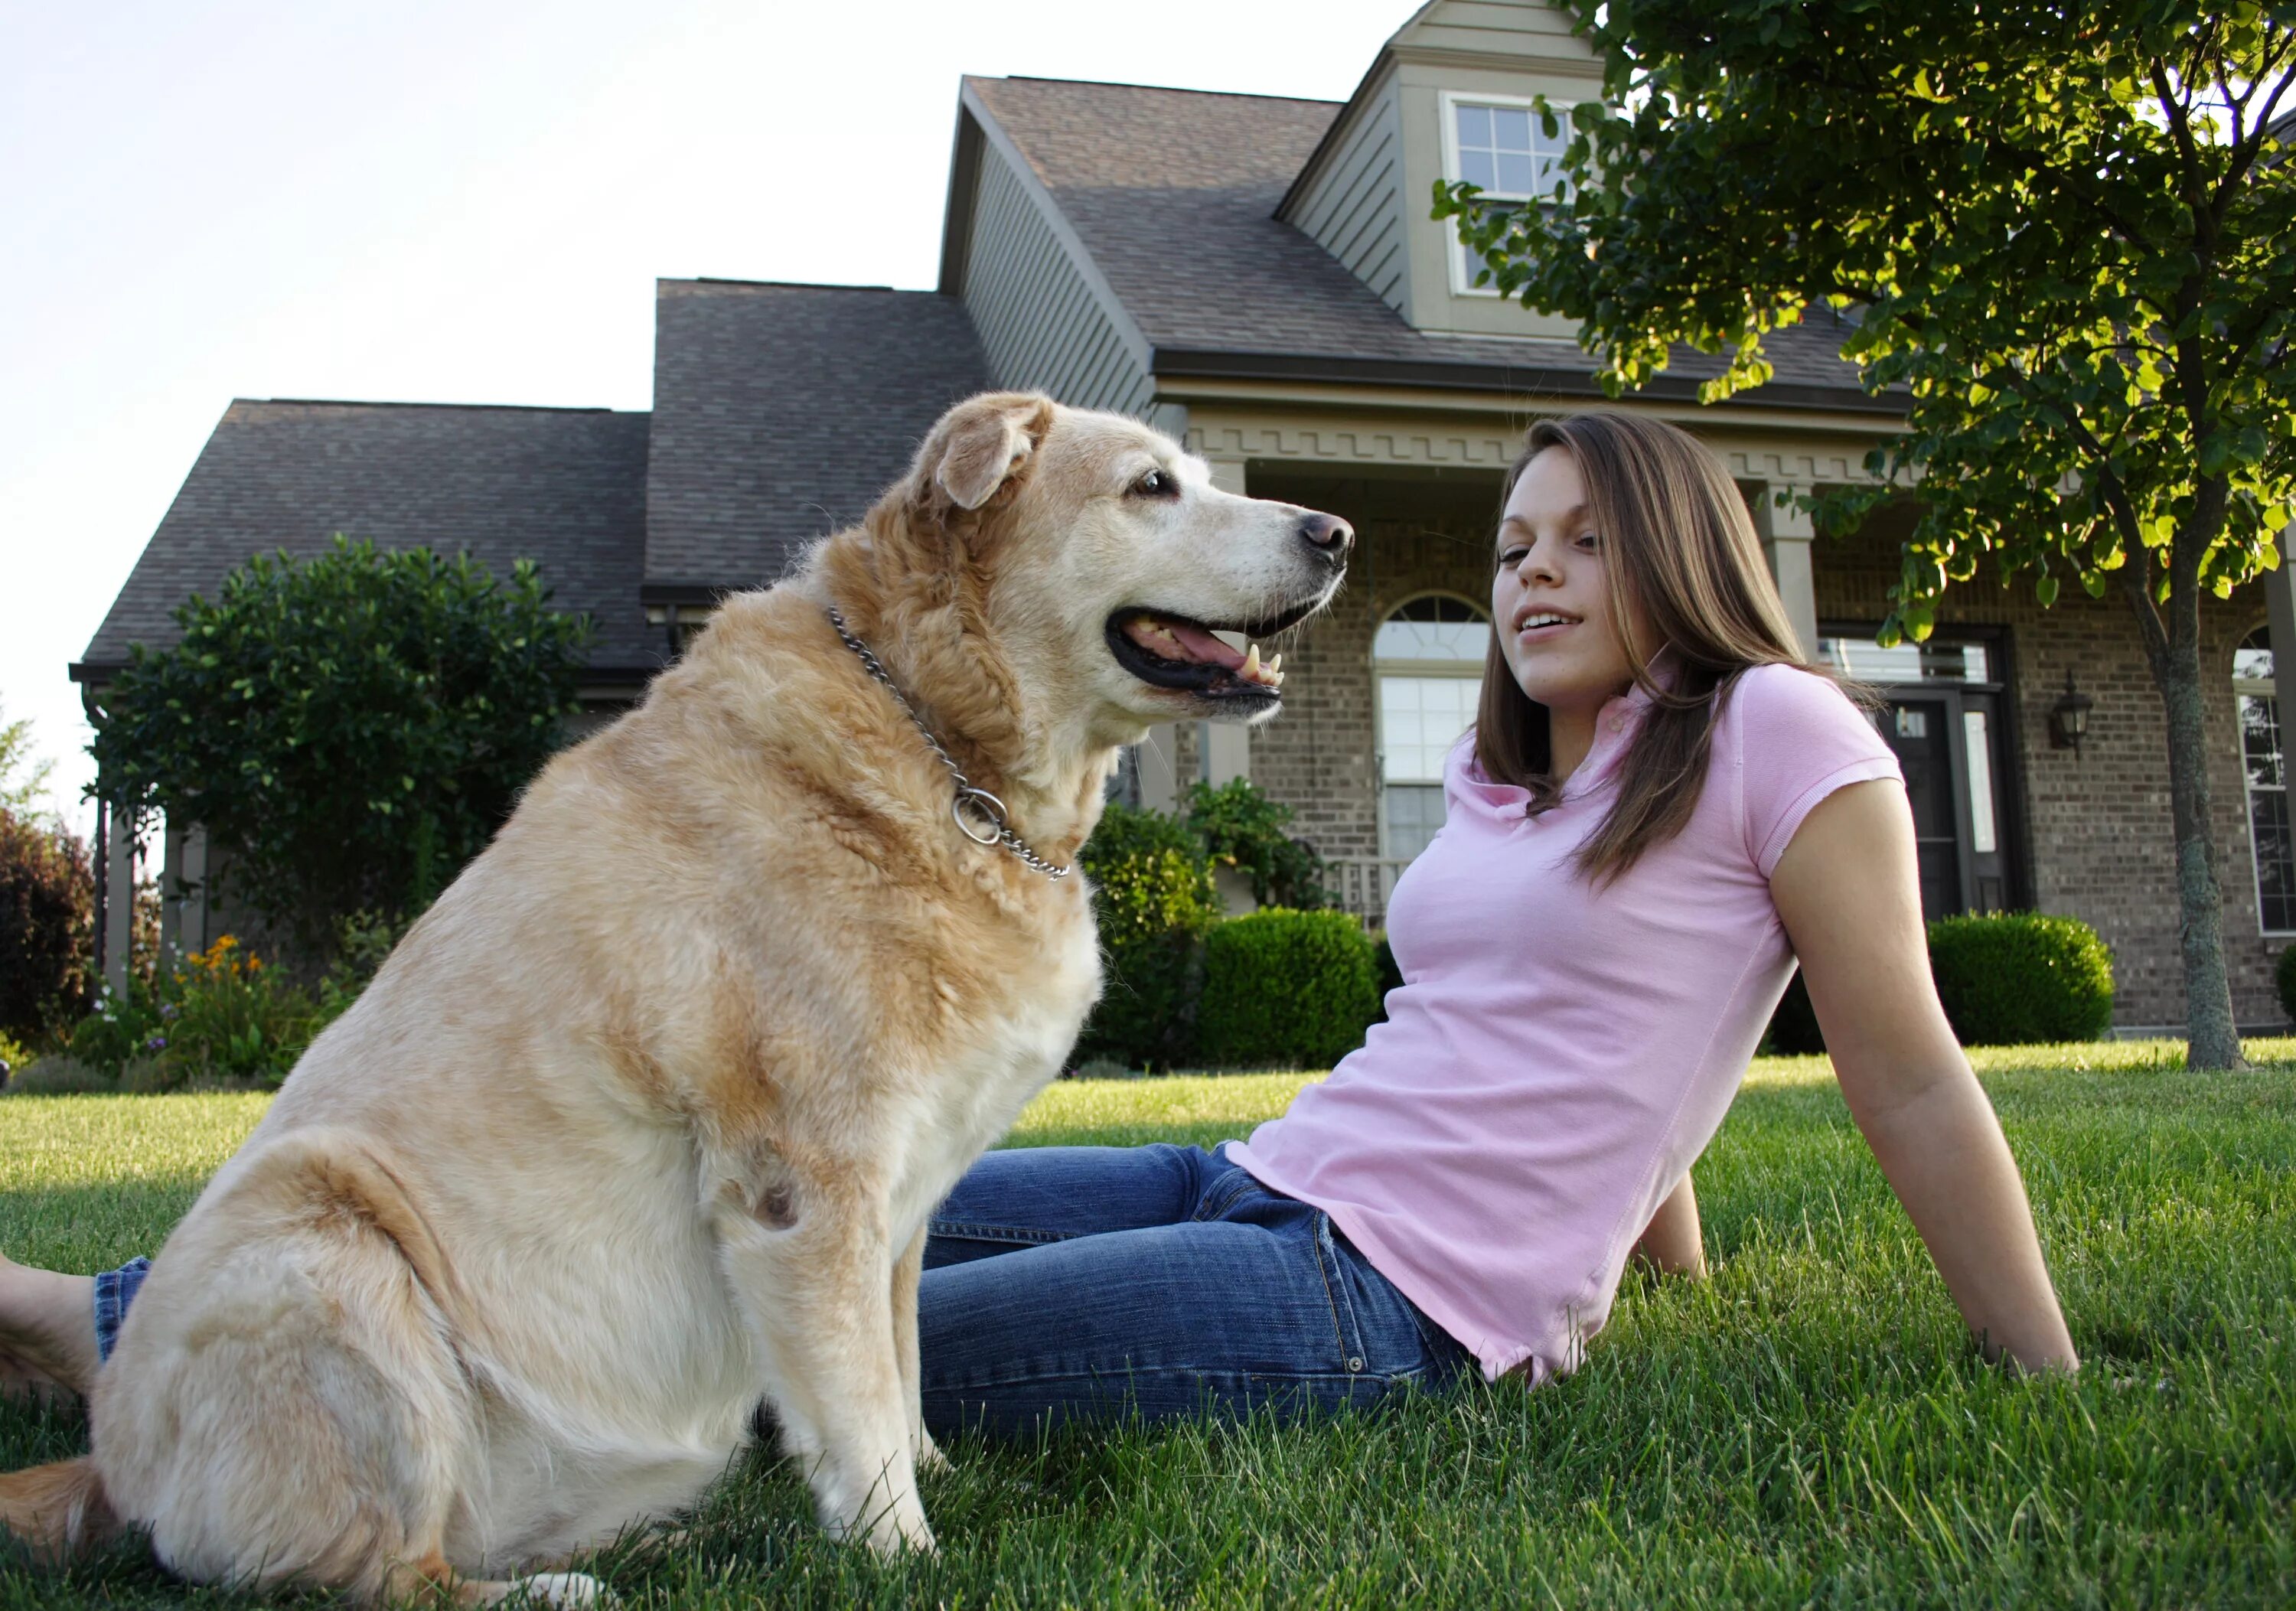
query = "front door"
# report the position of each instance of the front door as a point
(1948, 732)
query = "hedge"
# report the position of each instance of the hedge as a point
(1281, 986)
(2004, 979)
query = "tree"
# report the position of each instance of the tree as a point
(2065, 236)
(350, 728)
(21, 777)
(47, 894)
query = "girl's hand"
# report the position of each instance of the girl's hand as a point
(1849, 891)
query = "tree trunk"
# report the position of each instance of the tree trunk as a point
(2212, 1041)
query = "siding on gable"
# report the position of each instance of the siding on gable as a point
(1353, 208)
(1494, 28)
(1040, 322)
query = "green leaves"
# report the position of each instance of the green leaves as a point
(328, 718)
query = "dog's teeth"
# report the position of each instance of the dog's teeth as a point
(1275, 664)
(1250, 671)
(1278, 676)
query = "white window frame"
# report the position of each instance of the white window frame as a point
(1464, 267)
(2256, 689)
(1406, 668)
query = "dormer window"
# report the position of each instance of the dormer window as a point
(1498, 145)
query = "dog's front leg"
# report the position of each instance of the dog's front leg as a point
(813, 1273)
(906, 1268)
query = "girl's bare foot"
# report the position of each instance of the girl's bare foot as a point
(47, 1332)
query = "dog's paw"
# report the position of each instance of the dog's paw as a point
(929, 1455)
(564, 1590)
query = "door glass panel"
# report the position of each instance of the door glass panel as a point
(1980, 750)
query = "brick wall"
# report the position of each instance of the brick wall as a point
(1413, 536)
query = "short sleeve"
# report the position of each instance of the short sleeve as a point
(1798, 738)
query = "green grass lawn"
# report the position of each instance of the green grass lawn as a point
(1809, 1427)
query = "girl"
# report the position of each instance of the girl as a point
(1659, 809)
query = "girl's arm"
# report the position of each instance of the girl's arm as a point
(1849, 893)
(1670, 1243)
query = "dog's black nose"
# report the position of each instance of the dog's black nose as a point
(1329, 533)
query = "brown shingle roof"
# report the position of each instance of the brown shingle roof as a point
(782, 411)
(564, 487)
(1174, 194)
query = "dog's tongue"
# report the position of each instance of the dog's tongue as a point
(1164, 638)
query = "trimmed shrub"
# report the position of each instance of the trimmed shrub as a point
(1280, 986)
(2015, 978)
(2283, 975)
(47, 905)
(1153, 898)
(2004, 979)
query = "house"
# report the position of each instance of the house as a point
(1258, 276)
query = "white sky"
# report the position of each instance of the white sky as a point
(459, 202)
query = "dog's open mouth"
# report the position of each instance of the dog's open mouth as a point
(1171, 651)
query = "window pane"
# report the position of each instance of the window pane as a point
(1414, 811)
(2260, 741)
(2252, 664)
(1510, 127)
(1474, 126)
(1458, 640)
(1981, 782)
(1420, 719)
(1515, 174)
(1475, 167)
(1865, 661)
(2276, 859)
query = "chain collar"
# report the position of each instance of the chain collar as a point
(979, 814)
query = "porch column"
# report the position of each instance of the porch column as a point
(1786, 534)
(1157, 758)
(2280, 625)
(1223, 748)
(119, 896)
(183, 892)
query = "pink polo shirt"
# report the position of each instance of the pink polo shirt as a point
(1558, 1056)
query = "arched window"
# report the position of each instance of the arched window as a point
(2261, 760)
(1428, 660)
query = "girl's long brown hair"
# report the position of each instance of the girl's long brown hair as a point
(1677, 540)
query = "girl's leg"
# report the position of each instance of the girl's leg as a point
(47, 1331)
(1030, 1196)
(1257, 1300)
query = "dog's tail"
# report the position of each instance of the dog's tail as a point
(58, 1512)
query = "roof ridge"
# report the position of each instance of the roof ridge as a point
(711, 279)
(348, 402)
(1167, 89)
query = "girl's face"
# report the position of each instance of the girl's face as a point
(1550, 597)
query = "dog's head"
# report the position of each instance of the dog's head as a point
(1102, 560)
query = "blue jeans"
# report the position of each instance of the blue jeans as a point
(1087, 1283)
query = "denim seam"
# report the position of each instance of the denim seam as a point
(997, 1233)
(1327, 1257)
(1033, 1377)
(1224, 1197)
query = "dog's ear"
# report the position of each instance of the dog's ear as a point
(985, 443)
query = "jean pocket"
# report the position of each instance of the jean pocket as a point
(1393, 1339)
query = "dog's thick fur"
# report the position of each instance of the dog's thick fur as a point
(643, 1122)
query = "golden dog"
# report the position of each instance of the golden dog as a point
(641, 1122)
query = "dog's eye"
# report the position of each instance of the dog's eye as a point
(1156, 483)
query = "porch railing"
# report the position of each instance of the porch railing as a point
(1363, 884)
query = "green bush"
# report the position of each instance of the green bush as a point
(350, 728)
(1285, 987)
(1390, 973)
(1153, 898)
(2284, 975)
(2004, 979)
(1242, 828)
(2017, 978)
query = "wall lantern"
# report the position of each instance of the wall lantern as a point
(2069, 718)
